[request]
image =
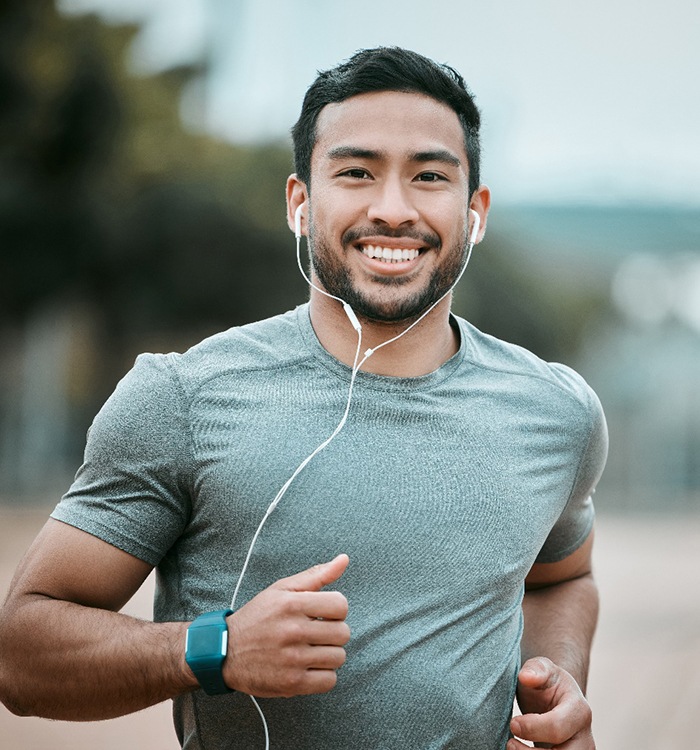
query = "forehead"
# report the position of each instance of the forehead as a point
(392, 122)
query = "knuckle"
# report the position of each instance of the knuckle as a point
(297, 657)
(290, 683)
(586, 714)
(289, 601)
(293, 632)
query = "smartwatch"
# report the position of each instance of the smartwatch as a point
(206, 645)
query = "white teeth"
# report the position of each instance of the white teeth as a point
(389, 255)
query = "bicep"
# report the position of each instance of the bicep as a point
(575, 565)
(69, 564)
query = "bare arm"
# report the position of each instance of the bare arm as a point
(66, 652)
(560, 609)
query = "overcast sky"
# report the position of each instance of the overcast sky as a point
(590, 103)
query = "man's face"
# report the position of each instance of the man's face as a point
(389, 202)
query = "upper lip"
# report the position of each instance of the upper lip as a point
(394, 243)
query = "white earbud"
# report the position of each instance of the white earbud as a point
(297, 220)
(476, 223)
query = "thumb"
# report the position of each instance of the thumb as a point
(538, 673)
(315, 578)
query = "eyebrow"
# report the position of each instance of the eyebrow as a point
(441, 155)
(353, 152)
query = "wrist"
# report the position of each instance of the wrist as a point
(187, 676)
(206, 647)
(183, 677)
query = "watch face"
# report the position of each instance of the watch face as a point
(207, 641)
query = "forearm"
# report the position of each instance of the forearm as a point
(560, 622)
(65, 661)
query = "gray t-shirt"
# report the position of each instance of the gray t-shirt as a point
(443, 490)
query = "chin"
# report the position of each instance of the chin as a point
(392, 312)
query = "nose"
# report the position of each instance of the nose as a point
(392, 205)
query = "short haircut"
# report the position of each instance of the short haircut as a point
(387, 69)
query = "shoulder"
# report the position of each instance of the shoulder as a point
(491, 353)
(264, 345)
(523, 370)
(155, 398)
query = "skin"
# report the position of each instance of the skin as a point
(560, 609)
(387, 169)
(66, 652)
(395, 185)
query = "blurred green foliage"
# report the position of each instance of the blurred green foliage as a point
(104, 195)
(106, 198)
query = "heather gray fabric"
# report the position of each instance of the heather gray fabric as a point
(443, 490)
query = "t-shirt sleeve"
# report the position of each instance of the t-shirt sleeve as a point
(576, 521)
(133, 488)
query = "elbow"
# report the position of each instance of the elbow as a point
(13, 706)
(11, 676)
(9, 696)
(12, 697)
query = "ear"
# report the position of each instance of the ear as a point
(481, 203)
(297, 194)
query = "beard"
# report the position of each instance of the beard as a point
(391, 307)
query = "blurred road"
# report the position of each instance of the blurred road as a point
(645, 679)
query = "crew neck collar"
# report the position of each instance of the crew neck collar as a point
(372, 380)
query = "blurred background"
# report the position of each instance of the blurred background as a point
(143, 152)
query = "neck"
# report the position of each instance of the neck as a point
(423, 349)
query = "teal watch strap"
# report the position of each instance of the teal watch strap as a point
(205, 650)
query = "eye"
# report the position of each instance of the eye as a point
(357, 173)
(430, 177)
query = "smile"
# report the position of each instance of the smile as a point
(388, 254)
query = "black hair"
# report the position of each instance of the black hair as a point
(387, 69)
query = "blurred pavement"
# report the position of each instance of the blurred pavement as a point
(645, 679)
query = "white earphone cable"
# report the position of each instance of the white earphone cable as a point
(357, 364)
(304, 463)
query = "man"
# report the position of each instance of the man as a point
(461, 479)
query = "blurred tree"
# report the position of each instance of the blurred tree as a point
(119, 230)
(104, 195)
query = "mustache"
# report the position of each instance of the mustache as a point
(429, 239)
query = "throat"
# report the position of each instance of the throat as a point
(420, 351)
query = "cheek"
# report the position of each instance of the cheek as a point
(447, 210)
(341, 206)
(455, 222)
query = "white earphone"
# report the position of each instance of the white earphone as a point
(297, 220)
(476, 223)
